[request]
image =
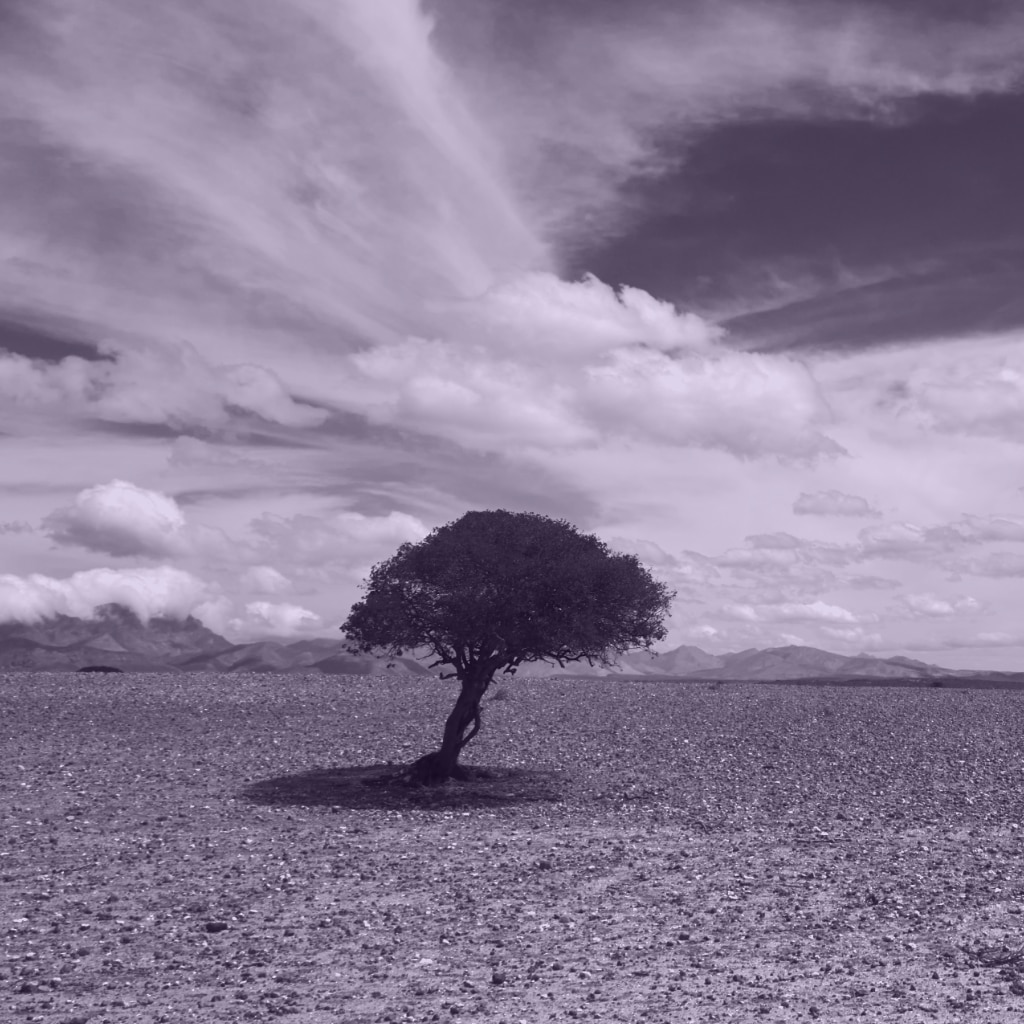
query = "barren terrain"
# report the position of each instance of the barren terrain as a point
(206, 848)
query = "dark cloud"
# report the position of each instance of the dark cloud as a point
(927, 198)
(36, 337)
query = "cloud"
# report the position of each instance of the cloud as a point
(996, 639)
(149, 592)
(775, 542)
(647, 551)
(16, 526)
(341, 543)
(561, 320)
(853, 636)
(362, 239)
(977, 392)
(994, 565)
(967, 387)
(605, 92)
(191, 452)
(545, 363)
(781, 554)
(913, 543)
(815, 611)
(165, 383)
(263, 617)
(970, 529)
(832, 503)
(861, 582)
(265, 579)
(932, 606)
(120, 519)
(757, 558)
(985, 639)
(894, 540)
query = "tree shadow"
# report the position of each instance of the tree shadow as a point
(376, 787)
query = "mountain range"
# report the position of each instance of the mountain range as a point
(117, 638)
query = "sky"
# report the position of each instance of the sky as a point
(733, 285)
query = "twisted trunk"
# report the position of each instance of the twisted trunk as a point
(462, 725)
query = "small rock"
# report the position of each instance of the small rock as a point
(216, 926)
(1017, 987)
(498, 977)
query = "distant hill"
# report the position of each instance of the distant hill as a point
(117, 638)
(752, 664)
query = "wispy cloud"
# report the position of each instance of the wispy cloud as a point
(621, 93)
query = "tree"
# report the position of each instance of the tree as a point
(493, 590)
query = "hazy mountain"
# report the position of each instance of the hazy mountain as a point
(809, 662)
(773, 663)
(116, 637)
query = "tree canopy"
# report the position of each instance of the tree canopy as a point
(495, 589)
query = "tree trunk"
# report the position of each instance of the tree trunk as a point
(462, 725)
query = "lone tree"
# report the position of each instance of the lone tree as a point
(493, 590)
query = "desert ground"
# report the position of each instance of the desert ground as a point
(211, 848)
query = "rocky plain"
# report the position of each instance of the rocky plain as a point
(202, 847)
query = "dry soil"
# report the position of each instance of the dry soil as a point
(207, 848)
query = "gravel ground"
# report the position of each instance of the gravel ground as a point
(206, 848)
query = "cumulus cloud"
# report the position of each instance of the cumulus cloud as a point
(149, 592)
(263, 617)
(556, 364)
(832, 503)
(569, 320)
(120, 519)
